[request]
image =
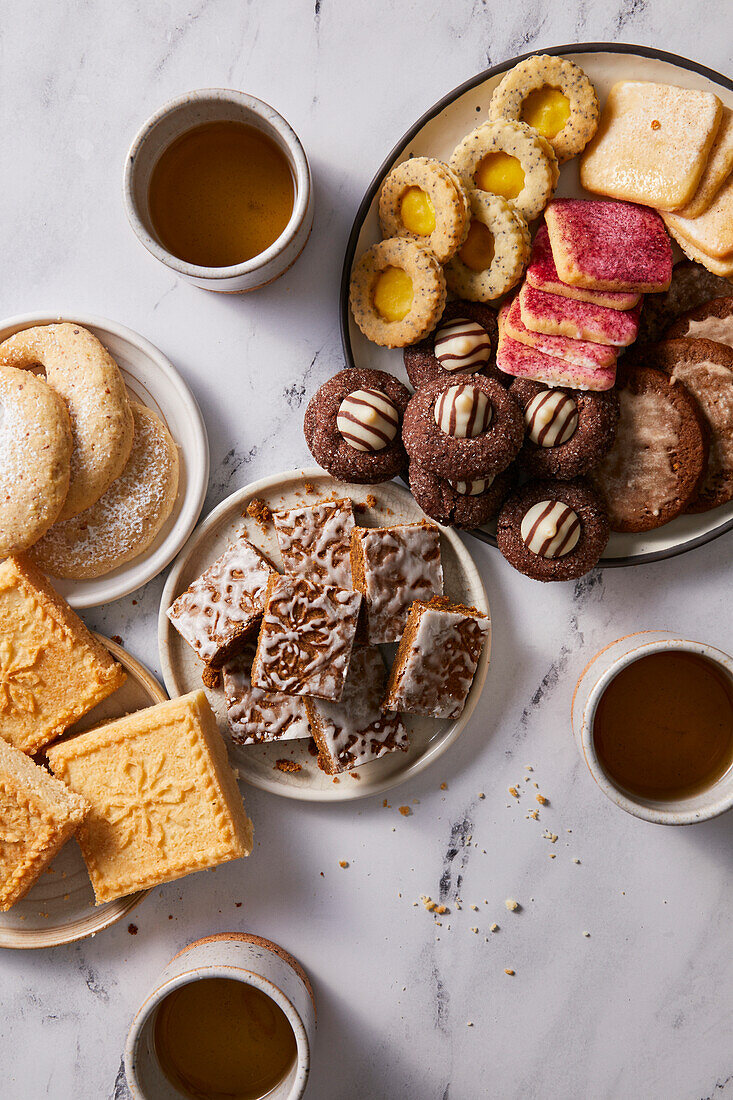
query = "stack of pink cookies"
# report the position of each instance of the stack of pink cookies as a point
(581, 298)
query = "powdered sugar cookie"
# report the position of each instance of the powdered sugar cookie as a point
(419, 200)
(127, 518)
(397, 293)
(511, 160)
(492, 259)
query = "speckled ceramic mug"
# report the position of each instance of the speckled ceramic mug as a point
(594, 680)
(176, 118)
(242, 957)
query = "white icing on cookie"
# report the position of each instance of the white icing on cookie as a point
(463, 411)
(462, 345)
(256, 716)
(550, 529)
(315, 541)
(473, 488)
(367, 420)
(401, 564)
(719, 329)
(551, 418)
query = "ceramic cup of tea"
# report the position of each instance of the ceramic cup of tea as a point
(217, 187)
(231, 1015)
(652, 715)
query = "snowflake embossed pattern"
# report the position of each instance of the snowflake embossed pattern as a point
(140, 804)
(18, 679)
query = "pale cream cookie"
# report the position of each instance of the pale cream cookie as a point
(127, 518)
(723, 268)
(509, 159)
(552, 95)
(495, 253)
(717, 170)
(711, 232)
(397, 292)
(85, 375)
(420, 201)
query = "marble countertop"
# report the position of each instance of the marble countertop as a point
(640, 1008)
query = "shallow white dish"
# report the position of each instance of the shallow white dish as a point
(436, 134)
(429, 738)
(60, 906)
(153, 380)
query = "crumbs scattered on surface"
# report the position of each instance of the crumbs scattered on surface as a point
(343, 863)
(354, 775)
(336, 779)
(512, 905)
(494, 927)
(309, 487)
(444, 786)
(481, 794)
(575, 859)
(587, 935)
(116, 638)
(312, 747)
(385, 804)
(405, 811)
(433, 906)
(514, 792)
(211, 677)
(287, 766)
(542, 800)
(509, 971)
(547, 835)
(259, 511)
(132, 929)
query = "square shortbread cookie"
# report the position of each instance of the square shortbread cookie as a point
(711, 232)
(542, 274)
(723, 268)
(521, 361)
(717, 170)
(555, 315)
(164, 801)
(582, 352)
(652, 143)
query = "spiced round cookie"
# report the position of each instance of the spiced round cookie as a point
(553, 530)
(463, 428)
(460, 503)
(463, 342)
(566, 431)
(352, 426)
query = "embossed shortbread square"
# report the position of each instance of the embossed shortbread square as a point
(38, 814)
(315, 540)
(52, 669)
(254, 715)
(164, 801)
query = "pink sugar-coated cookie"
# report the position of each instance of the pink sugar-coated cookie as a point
(558, 316)
(542, 274)
(609, 245)
(582, 352)
(522, 361)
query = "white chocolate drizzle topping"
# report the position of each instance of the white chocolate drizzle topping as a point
(462, 345)
(550, 529)
(367, 420)
(463, 411)
(551, 418)
(473, 488)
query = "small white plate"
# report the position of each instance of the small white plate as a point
(429, 737)
(60, 907)
(154, 381)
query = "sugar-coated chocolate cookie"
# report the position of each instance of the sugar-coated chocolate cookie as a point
(553, 530)
(566, 431)
(463, 428)
(691, 286)
(352, 426)
(712, 320)
(463, 342)
(460, 503)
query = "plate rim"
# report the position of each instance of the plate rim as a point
(197, 477)
(431, 754)
(629, 48)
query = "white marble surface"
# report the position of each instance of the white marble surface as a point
(640, 1009)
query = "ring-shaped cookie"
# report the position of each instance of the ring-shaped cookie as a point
(512, 248)
(564, 456)
(546, 71)
(456, 458)
(514, 139)
(446, 195)
(420, 360)
(443, 502)
(83, 373)
(428, 292)
(329, 447)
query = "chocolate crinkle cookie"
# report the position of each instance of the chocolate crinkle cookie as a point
(553, 530)
(463, 342)
(352, 426)
(566, 431)
(460, 503)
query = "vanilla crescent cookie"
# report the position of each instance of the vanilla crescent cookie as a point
(552, 95)
(508, 248)
(397, 292)
(509, 159)
(126, 519)
(421, 201)
(35, 457)
(85, 375)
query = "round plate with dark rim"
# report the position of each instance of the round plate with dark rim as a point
(436, 134)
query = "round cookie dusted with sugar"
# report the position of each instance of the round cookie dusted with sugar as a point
(566, 431)
(397, 293)
(35, 458)
(495, 253)
(459, 503)
(126, 519)
(420, 200)
(462, 342)
(509, 159)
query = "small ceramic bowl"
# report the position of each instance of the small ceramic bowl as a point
(594, 680)
(181, 115)
(244, 958)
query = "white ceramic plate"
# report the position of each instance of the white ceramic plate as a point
(436, 134)
(182, 669)
(154, 381)
(60, 907)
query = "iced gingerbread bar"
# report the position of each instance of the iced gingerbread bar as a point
(257, 716)
(314, 541)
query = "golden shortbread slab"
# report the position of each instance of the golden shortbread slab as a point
(52, 670)
(652, 143)
(717, 169)
(38, 814)
(711, 232)
(722, 268)
(164, 801)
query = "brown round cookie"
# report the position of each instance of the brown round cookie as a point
(659, 454)
(691, 285)
(553, 530)
(566, 431)
(421, 362)
(476, 404)
(705, 369)
(456, 503)
(358, 460)
(711, 321)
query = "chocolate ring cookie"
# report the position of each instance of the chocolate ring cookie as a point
(463, 342)
(352, 426)
(567, 431)
(460, 503)
(397, 292)
(553, 530)
(463, 428)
